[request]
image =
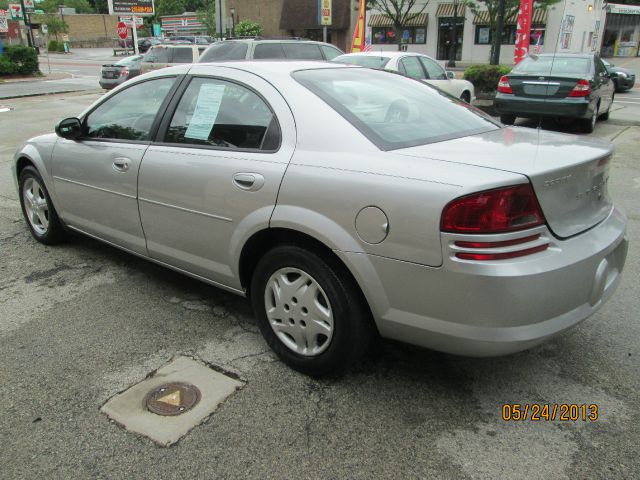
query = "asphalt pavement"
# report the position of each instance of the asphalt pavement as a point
(82, 321)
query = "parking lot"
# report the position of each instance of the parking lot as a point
(83, 321)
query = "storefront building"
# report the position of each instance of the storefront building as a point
(622, 31)
(564, 27)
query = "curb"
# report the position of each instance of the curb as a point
(26, 95)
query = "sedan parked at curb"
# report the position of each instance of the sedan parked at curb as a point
(344, 202)
(113, 74)
(623, 78)
(413, 65)
(566, 85)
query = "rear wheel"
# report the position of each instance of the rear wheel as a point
(309, 313)
(508, 119)
(588, 125)
(38, 209)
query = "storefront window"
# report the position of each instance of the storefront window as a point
(386, 35)
(509, 34)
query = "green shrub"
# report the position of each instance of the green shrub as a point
(6, 67)
(24, 59)
(485, 77)
(54, 46)
(247, 28)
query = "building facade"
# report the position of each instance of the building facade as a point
(622, 31)
(567, 26)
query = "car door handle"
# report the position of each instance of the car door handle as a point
(248, 181)
(121, 164)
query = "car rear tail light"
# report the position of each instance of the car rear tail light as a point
(503, 85)
(501, 210)
(124, 72)
(582, 89)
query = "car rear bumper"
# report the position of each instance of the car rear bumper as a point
(109, 83)
(507, 104)
(495, 308)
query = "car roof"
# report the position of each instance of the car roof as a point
(383, 53)
(567, 54)
(275, 40)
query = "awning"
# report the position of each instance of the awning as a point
(381, 20)
(447, 9)
(539, 16)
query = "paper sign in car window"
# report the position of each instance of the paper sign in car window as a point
(206, 112)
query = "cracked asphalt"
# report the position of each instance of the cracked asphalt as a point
(82, 321)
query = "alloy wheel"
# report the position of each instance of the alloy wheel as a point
(36, 206)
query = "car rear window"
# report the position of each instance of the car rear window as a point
(554, 65)
(302, 51)
(393, 111)
(182, 55)
(157, 55)
(268, 50)
(225, 51)
(369, 61)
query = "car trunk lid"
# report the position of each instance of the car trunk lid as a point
(541, 86)
(569, 173)
(111, 71)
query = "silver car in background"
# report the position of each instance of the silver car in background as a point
(345, 202)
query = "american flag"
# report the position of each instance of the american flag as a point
(367, 45)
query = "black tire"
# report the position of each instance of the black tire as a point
(508, 119)
(588, 125)
(615, 85)
(55, 231)
(352, 329)
(465, 97)
(605, 115)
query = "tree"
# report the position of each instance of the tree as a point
(55, 25)
(207, 15)
(400, 12)
(512, 7)
(4, 5)
(247, 28)
(169, 7)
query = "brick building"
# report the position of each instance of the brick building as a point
(85, 30)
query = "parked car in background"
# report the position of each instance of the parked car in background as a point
(166, 54)
(113, 74)
(413, 65)
(262, 48)
(145, 44)
(623, 78)
(195, 39)
(396, 210)
(566, 85)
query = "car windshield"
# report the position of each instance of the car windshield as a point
(393, 111)
(369, 61)
(225, 51)
(553, 65)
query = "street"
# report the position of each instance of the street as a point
(83, 321)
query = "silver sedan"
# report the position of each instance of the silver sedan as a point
(344, 202)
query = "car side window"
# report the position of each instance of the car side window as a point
(268, 50)
(412, 68)
(223, 114)
(302, 51)
(434, 71)
(330, 52)
(182, 55)
(129, 114)
(600, 68)
(157, 55)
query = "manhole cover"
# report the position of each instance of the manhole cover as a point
(172, 398)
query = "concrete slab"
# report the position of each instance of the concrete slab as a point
(128, 409)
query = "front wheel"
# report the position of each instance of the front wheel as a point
(38, 209)
(589, 125)
(309, 311)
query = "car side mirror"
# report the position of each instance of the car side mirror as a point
(69, 128)
(451, 75)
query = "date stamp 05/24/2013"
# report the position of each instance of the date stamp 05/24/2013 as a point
(549, 412)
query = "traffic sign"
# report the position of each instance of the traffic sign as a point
(29, 6)
(128, 21)
(16, 11)
(122, 30)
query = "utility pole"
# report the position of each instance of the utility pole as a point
(27, 24)
(498, 40)
(454, 36)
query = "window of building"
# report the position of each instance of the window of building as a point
(509, 33)
(386, 35)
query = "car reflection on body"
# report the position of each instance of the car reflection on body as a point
(340, 204)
